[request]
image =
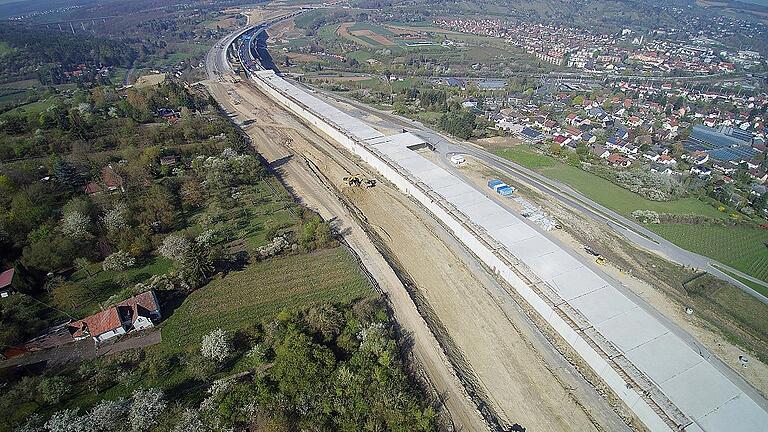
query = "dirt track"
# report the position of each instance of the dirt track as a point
(497, 352)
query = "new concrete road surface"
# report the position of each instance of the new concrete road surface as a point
(627, 228)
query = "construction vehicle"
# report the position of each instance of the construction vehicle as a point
(358, 180)
(599, 258)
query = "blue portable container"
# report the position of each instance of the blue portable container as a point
(505, 191)
(493, 183)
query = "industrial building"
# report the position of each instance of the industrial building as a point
(647, 363)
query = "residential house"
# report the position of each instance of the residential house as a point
(574, 133)
(697, 157)
(758, 174)
(588, 138)
(137, 313)
(671, 125)
(618, 160)
(531, 135)
(666, 159)
(561, 139)
(651, 155)
(661, 169)
(599, 151)
(6, 282)
(634, 121)
(701, 170)
(509, 126)
(109, 181)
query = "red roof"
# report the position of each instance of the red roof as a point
(97, 324)
(6, 278)
(92, 188)
(112, 318)
(111, 178)
(139, 305)
(616, 158)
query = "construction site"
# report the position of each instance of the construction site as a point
(509, 326)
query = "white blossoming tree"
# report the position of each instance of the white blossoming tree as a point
(216, 345)
(118, 261)
(76, 225)
(115, 220)
(146, 407)
(190, 421)
(176, 248)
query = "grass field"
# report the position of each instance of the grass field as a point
(742, 248)
(5, 49)
(82, 295)
(34, 107)
(262, 290)
(726, 300)
(600, 190)
(757, 287)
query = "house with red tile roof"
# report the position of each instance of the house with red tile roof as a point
(109, 180)
(6, 282)
(136, 313)
(618, 160)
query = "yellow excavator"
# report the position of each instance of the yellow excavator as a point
(359, 180)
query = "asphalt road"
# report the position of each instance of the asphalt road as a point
(631, 230)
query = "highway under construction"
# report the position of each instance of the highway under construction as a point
(508, 326)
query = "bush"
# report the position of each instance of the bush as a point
(118, 261)
(146, 407)
(53, 389)
(646, 216)
(216, 346)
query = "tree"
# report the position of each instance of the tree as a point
(53, 389)
(84, 265)
(458, 122)
(146, 407)
(76, 225)
(176, 248)
(64, 421)
(190, 421)
(301, 367)
(192, 194)
(326, 320)
(106, 414)
(216, 345)
(115, 219)
(118, 261)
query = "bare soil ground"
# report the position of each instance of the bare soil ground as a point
(626, 264)
(344, 32)
(496, 353)
(499, 141)
(149, 80)
(375, 36)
